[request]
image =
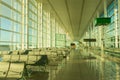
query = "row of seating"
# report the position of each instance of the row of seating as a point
(32, 57)
(20, 58)
(10, 70)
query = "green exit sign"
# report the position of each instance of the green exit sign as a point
(102, 21)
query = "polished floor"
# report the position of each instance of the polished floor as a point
(76, 68)
(80, 65)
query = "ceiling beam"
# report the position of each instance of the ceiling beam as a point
(60, 19)
(97, 7)
(68, 12)
(81, 14)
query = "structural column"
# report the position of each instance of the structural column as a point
(102, 29)
(119, 18)
(102, 62)
(22, 29)
(115, 24)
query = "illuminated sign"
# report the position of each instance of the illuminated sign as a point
(102, 21)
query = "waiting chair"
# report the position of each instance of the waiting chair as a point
(42, 62)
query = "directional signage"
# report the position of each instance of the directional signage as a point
(89, 40)
(102, 21)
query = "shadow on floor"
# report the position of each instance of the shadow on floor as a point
(39, 76)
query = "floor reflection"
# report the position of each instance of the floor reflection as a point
(97, 68)
(105, 69)
(80, 64)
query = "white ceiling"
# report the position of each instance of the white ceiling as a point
(74, 15)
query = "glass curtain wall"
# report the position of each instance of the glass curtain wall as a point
(110, 40)
(40, 25)
(60, 37)
(10, 24)
(44, 25)
(52, 32)
(25, 24)
(32, 23)
(111, 33)
(48, 33)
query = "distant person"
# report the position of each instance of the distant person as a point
(73, 46)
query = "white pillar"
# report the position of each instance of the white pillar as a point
(27, 27)
(99, 33)
(22, 29)
(102, 42)
(116, 29)
(102, 29)
(119, 18)
(105, 15)
(115, 24)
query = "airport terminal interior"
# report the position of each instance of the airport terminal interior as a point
(59, 39)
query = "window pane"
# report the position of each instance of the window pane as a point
(5, 11)
(6, 24)
(9, 2)
(5, 36)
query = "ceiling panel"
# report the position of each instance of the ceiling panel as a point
(61, 10)
(75, 15)
(75, 11)
(88, 13)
